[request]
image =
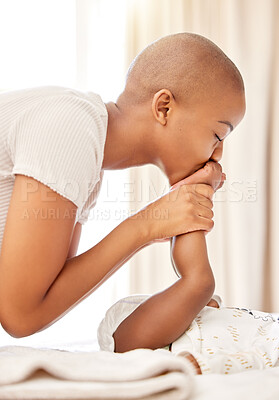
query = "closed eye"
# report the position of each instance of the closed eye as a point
(220, 140)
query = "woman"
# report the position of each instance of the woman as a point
(55, 144)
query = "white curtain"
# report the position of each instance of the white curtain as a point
(82, 43)
(243, 245)
(75, 43)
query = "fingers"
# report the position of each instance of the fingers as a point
(202, 193)
(197, 199)
(205, 211)
(204, 201)
(198, 188)
(205, 190)
(204, 224)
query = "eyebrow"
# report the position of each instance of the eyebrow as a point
(227, 123)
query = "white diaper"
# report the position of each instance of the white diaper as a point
(223, 340)
(113, 318)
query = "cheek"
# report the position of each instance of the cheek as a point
(193, 144)
(200, 149)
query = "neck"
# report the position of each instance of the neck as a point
(125, 144)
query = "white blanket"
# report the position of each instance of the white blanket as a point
(32, 373)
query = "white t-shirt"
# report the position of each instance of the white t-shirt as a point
(57, 136)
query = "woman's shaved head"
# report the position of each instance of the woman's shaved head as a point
(183, 96)
(188, 65)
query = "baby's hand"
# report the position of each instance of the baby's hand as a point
(211, 174)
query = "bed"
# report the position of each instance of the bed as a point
(253, 384)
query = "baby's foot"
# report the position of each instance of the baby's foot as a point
(211, 174)
(193, 361)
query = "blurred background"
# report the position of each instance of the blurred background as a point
(88, 45)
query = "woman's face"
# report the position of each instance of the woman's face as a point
(196, 134)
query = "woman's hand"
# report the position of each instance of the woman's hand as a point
(183, 209)
(211, 174)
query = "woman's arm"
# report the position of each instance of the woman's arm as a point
(75, 240)
(38, 284)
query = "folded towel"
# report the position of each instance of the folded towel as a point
(32, 373)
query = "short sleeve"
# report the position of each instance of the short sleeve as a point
(59, 142)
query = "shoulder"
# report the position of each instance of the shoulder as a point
(85, 99)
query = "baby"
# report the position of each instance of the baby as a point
(220, 339)
(186, 320)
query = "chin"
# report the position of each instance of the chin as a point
(173, 179)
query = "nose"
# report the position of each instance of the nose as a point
(217, 153)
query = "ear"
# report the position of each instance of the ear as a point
(161, 105)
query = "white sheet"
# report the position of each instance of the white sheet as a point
(250, 385)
